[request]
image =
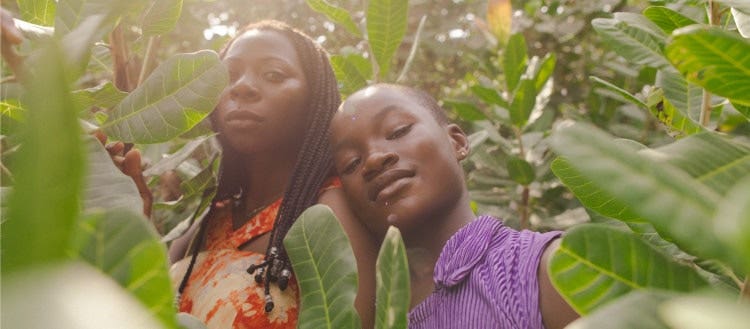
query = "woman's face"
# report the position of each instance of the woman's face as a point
(264, 106)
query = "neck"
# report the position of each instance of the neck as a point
(265, 177)
(423, 248)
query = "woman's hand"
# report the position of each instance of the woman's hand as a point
(128, 160)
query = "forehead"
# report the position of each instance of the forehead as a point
(255, 42)
(374, 103)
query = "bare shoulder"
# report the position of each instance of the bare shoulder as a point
(556, 312)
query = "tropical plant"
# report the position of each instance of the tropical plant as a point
(72, 217)
(672, 249)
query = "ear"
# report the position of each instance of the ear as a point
(459, 141)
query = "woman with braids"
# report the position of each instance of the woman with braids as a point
(272, 122)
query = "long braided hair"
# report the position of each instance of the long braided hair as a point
(312, 167)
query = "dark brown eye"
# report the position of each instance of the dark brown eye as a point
(350, 167)
(274, 76)
(400, 131)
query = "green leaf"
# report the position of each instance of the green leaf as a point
(697, 312)
(70, 296)
(175, 97)
(742, 20)
(715, 161)
(638, 309)
(124, 245)
(514, 61)
(326, 271)
(337, 14)
(596, 264)
(386, 27)
(40, 12)
(523, 102)
(81, 23)
(106, 187)
(545, 71)
(743, 109)
(679, 207)
(520, 171)
(733, 222)
(714, 59)
(489, 95)
(352, 71)
(632, 37)
(622, 92)
(198, 184)
(677, 122)
(104, 96)
(738, 4)
(48, 178)
(686, 97)
(161, 17)
(172, 161)
(466, 111)
(392, 283)
(12, 109)
(590, 195)
(667, 19)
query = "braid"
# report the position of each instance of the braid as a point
(312, 167)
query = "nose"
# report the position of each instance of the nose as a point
(245, 88)
(377, 162)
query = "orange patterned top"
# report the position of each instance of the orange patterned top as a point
(220, 292)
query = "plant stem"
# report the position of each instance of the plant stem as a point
(745, 289)
(148, 57)
(523, 207)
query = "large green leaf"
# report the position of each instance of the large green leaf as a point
(633, 37)
(675, 120)
(70, 296)
(40, 12)
(596, 264)
(175, 97)
(733, 222)
(337, 14)
(175, 159)
(106, 187)
(638, 309)
(514, 61)
(326, 271)
(679, 207)
(126, 247)
(392, 283)
(590, 195)
(686, 97)
(667, 19)
(161, 17)
(715, 59)
(386, 27)
(544, 70)
(352, 71)
(489, 95)
(715, 161)
(48, 170)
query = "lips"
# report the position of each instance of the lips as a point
(243, 115)
(387, 183)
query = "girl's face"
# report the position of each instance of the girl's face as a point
(398, 165)
(264, 106)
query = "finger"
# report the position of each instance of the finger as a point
(132, 163)
(115, 148)
(119, 162)
(100, 136)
